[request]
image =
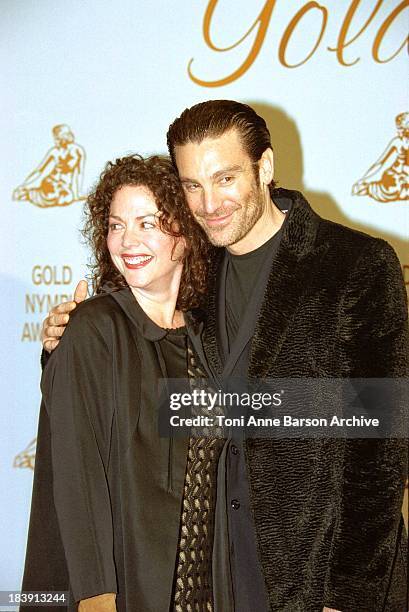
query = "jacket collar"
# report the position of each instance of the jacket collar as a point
(126, 300)
(209, 335)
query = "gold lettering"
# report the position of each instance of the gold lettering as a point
(345, 37)
(36, 275)
(26, 333)
(342, 42)
(383, 30)
(31, 332)
(30, 303)
(57, 299)
(262, 21)
(41, 303)
(291, 27)
(48, 275)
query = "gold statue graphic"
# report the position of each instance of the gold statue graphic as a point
(387, 179)
(57, 180)
(26, 458)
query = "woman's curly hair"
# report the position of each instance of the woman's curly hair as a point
(157, 174)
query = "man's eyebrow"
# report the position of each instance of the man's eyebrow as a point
(226, 170)
(235, 168)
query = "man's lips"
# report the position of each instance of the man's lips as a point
(217, 221)
(134, 262)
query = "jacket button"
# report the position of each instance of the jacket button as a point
(234, 449)
(235, 504)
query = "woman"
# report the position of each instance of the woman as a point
(125, 515)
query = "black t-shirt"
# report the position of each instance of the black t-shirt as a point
(242, 274)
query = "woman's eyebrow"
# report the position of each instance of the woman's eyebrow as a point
(152, 214)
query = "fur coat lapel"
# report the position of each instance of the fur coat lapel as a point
(297, 258)
(209, 336)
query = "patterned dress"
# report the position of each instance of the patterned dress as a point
(193, 575)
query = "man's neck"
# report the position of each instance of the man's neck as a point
(267, 225)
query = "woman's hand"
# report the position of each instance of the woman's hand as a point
(99, 603)
(54, 325)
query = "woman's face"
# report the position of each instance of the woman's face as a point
(139, 249)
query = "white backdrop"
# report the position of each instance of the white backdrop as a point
(114, 75)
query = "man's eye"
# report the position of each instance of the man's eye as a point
(226, 180)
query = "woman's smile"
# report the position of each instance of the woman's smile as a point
(133, 262)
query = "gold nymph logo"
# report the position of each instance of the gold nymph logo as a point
(26, 458)
(57, 180)
(387, 180)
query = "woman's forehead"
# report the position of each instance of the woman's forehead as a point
(134, 199)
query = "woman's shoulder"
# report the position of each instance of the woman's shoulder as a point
(99, 305)
(95, 307)
(99, 315)
(95, 328)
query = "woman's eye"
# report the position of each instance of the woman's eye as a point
(114, 227)
(191, 187)
(147, 225)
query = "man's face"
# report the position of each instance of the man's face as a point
(221, 187)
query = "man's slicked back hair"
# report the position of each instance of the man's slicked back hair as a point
(212, 119)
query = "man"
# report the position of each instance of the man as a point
(305, 525)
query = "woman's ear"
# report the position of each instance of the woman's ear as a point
(179, 249)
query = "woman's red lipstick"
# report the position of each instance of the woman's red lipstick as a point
(134, 262)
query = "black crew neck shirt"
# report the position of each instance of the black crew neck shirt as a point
(242, 274)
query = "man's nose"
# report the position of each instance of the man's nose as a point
(210, 202)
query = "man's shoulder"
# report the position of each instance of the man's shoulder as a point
(338, 235)
(344, 234)
(349, 246)
(352, 243)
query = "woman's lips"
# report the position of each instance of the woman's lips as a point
(134, 262)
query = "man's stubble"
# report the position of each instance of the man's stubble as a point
(245, 217)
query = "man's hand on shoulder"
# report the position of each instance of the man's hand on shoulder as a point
(54, 325)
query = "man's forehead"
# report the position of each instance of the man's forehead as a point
(225, 149)
(231, 136)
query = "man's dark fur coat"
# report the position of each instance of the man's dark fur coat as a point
(328, 512)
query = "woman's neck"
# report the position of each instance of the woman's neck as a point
(161, 308)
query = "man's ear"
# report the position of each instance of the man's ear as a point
(266, 167)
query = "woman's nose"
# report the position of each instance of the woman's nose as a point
(130, 237)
